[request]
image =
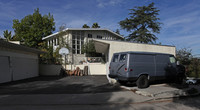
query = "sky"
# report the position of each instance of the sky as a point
(180, 18)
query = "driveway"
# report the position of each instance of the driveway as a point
(84, 93)
(60, 85)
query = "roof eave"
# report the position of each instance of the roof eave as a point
(92, 29)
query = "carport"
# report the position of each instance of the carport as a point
(17, 62)
(108, 47)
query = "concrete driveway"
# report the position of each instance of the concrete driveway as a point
(60, 85)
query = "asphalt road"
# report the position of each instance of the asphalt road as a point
(82, 93)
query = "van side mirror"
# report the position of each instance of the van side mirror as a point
(178, 63)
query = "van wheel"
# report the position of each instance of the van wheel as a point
(142, 82)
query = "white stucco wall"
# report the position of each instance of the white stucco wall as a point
(21, 65)
(97, 69)
(120, 46)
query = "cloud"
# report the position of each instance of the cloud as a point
(181, 25)
(104, 3)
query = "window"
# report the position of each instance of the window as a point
(89, 35)
(73, 51)
(74, 46)
(78, 51)
(49, 43)
(82, 33)
(73, 42)
(78, 46)
(73, 32)
(99, 37)
(78, 42)
(115, 58)
(78, 37)
(172, 59)
(122, 57)
(58, 41)
(55, 42)
(82, 37)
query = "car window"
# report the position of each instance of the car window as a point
(122, 57)
(115, 58)
(172, 59)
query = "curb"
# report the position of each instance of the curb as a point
(170, 94)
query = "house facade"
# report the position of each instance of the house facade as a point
(77, 37)
(105, 42)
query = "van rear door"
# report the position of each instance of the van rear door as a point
(122, 65)
(113, 65)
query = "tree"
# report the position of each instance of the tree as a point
(85, 26)
(95, 25)
(7, 35)
(184, 55)
(52, 56)
(117, 31)
(89, 49)
(32, 28)
(62, 43)
(194, 67)
(142, 23)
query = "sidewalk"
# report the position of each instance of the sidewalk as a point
(163, 91)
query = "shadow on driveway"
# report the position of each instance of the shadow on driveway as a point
(60, 85)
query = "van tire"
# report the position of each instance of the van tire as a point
(142, 82)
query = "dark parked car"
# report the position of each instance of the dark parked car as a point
(144, 67)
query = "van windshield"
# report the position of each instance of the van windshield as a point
(172, 59)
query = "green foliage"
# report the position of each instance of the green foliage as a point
(57, 57)
(47, 58)
(89, 49)
(194, 68)
(142, 23)
(191, 64)
(184, 55)
(117, 31)
(53, 56)
(15, 38)
(95, 25)
(85, 26)
(7, 35)
(32, 28)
